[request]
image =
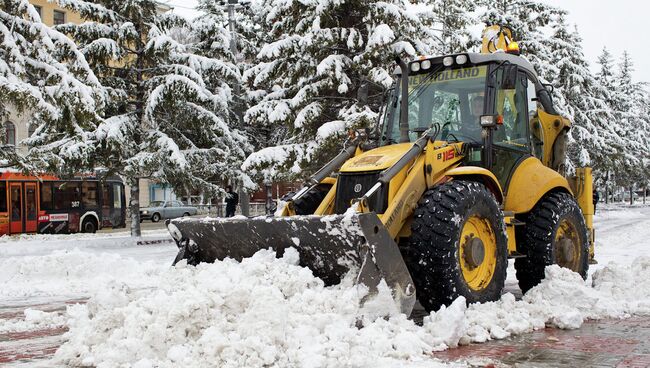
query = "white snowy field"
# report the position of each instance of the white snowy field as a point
(270, 312)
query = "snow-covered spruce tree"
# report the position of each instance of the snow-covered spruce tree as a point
(453, 21)
(583, 100)
(325, 68)
(607, 117)
(629, 100)
(43, 74)
(168, 118)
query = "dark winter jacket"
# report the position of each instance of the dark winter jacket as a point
(232, 199)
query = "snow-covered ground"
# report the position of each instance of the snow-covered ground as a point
(270, 312)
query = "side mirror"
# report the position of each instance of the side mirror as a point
(491, 121)
(509, 76)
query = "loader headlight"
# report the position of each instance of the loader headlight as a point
(174, 232)
(461, 59)
(448, 61)
(426, 64)
(415, 67)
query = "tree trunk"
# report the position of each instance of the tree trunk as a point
(645, 190)
(134, 206)
(631, 195)
(244, 202)
(606, 194)
(269, 198)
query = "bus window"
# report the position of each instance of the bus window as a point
(30, 202)
(89, 194)
(46, 196)
(16, 208)
(117, 196)
(3, 196)
(66, 195)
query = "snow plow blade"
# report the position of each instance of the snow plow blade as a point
(330, 246)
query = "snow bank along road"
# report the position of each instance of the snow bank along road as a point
(102, 301)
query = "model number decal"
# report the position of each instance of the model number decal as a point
(446, 156)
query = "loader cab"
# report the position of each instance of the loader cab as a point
(455, 91)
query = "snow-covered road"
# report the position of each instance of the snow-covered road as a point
(125, 306)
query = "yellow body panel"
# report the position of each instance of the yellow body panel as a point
(552, 126)
(529, 183)
(582, 185)
(440, 156)
(377, 159)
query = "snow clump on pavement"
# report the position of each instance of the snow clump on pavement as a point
(271, 312)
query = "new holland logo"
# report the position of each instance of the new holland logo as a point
(357, 188)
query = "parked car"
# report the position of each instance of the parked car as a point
(158, 210)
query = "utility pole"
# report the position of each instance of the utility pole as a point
(244, 200)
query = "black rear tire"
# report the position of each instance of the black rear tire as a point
(433, 251)
(155, 217)
(539, 241)
(89, 226)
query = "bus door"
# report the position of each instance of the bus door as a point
(31, 211)
(107, 201)
(15, 208)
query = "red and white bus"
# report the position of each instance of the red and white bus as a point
(47, 205)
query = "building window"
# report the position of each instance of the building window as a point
(59, 17)
(39, 10)
(10, 134)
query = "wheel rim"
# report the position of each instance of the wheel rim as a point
(567, 245)
(478, 252)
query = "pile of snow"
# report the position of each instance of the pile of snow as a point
(271, 312)
(72, 273)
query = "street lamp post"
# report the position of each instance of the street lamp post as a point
(243, 196)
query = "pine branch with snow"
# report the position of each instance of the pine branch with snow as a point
(43, 74)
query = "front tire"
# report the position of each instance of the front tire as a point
(155, 217)
(555, 233)
(458, 245)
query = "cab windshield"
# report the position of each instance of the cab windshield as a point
(452, 98)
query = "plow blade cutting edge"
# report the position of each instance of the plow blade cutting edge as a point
(330, 246)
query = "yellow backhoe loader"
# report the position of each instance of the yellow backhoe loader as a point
(467, 170)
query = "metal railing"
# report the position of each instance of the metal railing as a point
(219, 210)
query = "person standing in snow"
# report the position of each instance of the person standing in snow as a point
(596, 199)
(232, 199)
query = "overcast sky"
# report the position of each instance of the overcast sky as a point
(618, 24)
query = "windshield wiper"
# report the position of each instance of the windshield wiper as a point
(419, 89)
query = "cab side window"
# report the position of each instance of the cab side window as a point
(513, 107)
(536, 130)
